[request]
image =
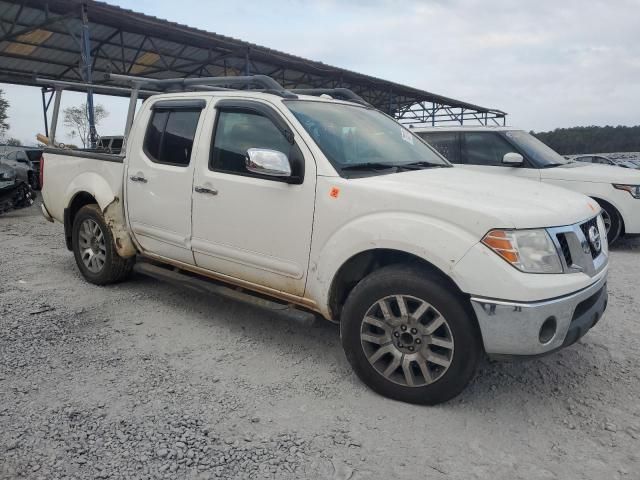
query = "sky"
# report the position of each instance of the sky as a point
(548, 63)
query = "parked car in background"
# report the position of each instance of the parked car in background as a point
(335, 207)
(508, 151)
(597, 159)
(600, 160)
(634, 165)
(14, 193)
(26, 162)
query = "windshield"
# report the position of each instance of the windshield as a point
(540, 153)
(351, 136)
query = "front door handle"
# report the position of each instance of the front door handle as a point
(138, 178)
(208, 191)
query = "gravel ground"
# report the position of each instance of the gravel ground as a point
(145, 380)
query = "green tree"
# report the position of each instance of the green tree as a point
(14, 142)
(592, 139)
(77, 119)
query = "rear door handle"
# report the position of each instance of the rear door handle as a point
(208, 191)
(138, 178)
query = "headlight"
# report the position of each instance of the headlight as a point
(634, 190)
(530, 251)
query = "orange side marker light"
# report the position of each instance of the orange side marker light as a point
(334, 192)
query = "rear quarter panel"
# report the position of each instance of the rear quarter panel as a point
(65, 176)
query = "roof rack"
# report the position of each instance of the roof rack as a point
(263, 82)
(338, 93)
(142, 87)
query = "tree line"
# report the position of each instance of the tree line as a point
(576, 140)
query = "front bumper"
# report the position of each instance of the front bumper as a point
(513, 328)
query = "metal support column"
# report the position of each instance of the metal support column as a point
(133, 100)
(54, 117)
(45, 108)
(86, 67)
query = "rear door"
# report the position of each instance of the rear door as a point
(159, 178)
(248, 226)
(484, 151)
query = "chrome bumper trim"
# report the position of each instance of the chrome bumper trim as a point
(512, 328)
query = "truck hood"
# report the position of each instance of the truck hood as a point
(583, 172)
(478, 202)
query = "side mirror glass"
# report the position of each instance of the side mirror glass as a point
(267, 162)
(513, 159)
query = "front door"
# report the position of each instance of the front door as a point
(249, 226)
(159, 179)
(484, 151)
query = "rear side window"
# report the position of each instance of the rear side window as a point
(237, 132)
(446, 143)
(485, 148)
(169, 137)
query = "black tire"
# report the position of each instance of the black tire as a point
(615, 225)
(115, 268)
(423, 286)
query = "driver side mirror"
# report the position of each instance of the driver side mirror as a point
(270, 163)
(513, 159)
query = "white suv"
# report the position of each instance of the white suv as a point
(508, 151)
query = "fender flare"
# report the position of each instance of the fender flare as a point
(439, 243)
(110, 204)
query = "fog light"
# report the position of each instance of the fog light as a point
(548, 330)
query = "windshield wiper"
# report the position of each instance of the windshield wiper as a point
(369, 166)
(419, 165)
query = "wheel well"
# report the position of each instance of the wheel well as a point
(80, 200)
(364, 263)
(601, 201)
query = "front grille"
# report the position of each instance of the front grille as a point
(566, 250)
(585, 227)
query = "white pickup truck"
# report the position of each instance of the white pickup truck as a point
(337, 209)
(509, 151)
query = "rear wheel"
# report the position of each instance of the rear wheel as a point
(612, 221)
(409, 338)
(94, 249)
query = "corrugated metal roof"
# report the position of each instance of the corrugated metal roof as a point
(42, 37)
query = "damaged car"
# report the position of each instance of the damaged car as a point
(14, 192)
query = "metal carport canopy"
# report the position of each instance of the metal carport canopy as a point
(44, 38)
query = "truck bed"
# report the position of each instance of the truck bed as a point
(67, 172)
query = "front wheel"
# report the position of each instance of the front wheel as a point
(409, 338)
(612, 221)
(94, 249)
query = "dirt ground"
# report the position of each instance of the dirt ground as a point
(146, 380)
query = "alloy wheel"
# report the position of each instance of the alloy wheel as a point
(407, 340)
(93, 250)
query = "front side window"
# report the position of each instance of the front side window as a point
(169, 137)
(446, 143)
(236, 132)
(485, 148)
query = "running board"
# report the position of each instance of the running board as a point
(204, 285)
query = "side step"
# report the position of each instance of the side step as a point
(204, 285)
